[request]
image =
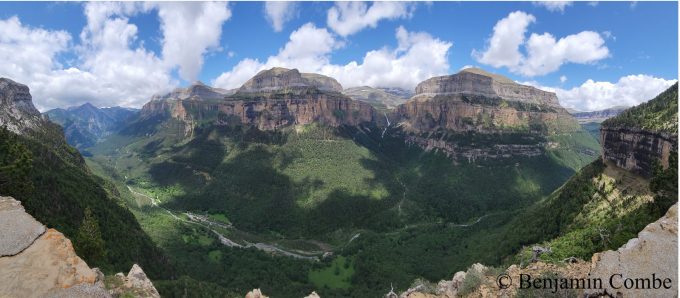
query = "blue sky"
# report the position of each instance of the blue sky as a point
(592, 54)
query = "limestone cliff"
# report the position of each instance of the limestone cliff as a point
(17, 112)
(40, 262)
(480, 82)
(197, 90)
(279, 78)
(597, 116)
(641, 136)
(654, 251)
(445, 109)
(636, 149)
(379, 98)
(271, 100)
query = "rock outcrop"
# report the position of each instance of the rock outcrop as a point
(480, 82)
(197, 90)
(255, 293)
(135, 284)
(654, 253)
(474, 101)
(18, 229)
(40, 262)
(597, 116)
(17, 112)
(271, 100)
(637, 150)
(279, 78)
(643, 135)
(378, 98)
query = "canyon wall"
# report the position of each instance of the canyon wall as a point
(477, 81)
(637, 150)
(471, 101)
(17, 112)
(268, 114)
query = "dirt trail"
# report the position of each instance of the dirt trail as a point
(207, 223)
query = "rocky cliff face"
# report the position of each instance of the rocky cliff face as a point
(271, 100)
(17, 112)
(40, 262)
(378, 98)
(197, 90)
(279, 78)
(654, 251)
(477, 81)
(473, 101)
(470, 101)
(637, 150)
(643, 135)
(597, 116)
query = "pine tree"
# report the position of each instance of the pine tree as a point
(90, 240)
(16, 163)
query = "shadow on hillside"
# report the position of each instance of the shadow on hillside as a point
(257, 197)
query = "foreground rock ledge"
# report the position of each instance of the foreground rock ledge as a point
(654, 251)
(40, 262)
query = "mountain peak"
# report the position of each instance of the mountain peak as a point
(17, 111)
(496, 77)
(480, 82)
(84, 107)
(197, 90)
(277, 78)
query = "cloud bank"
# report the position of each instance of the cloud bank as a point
(112, 65)
(417, 57)
(544, 53)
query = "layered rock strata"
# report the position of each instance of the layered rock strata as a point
(271, 100)
(197, 90)
(279, 78)
(470, 101)
(637, 150)
(477, 81)
(474, 101)
(17, 112)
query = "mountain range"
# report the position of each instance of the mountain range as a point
(293, 184)
(293, 166)
(86, 125)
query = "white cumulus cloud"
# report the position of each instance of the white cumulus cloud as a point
(190, 30)
(417, 57)
(347, 18)
(544, 52)
(594, 95)
(554, 6)
(112, 67)
(26, 51)
(503, 46)
(278, 13)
